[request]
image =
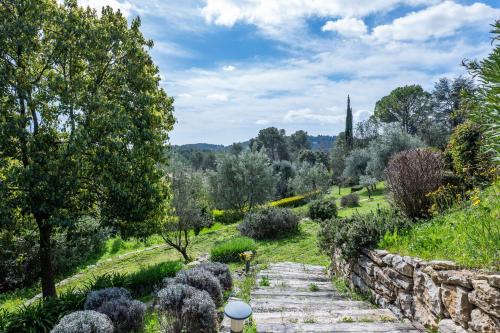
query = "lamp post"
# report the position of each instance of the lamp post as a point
(238, 312)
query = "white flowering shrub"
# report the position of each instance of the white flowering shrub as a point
(84, 322)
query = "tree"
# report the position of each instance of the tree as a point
(284, 171)
(309, 178)
(366, 131)
(447, 98)
(408, 105)
(236, 148)
(382, 148)
(338, 156)
(355, 166)
(83, 120)
(188, 210)
(298, 141)
(274, 141)
(349, 135)
(307, 156)
(242, 182)
(368, 182)
(485, 101)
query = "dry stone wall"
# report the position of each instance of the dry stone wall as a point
(435, 294)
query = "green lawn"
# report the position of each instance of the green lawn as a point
(470, 236)
(301, 247)
(366, 205)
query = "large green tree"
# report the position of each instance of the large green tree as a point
(409, 106)
(349, 134)
(274, 142)
(83, 120)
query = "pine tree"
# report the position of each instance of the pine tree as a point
(348, 125)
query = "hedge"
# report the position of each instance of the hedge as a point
(229, 251)
(294, 201)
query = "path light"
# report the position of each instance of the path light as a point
(247, 256)
(238, 312)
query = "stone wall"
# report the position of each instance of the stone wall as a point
(434, 294)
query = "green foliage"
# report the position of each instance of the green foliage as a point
(84, 120)
(242, 182)
(323, 209)
(408, 106)
(295, 201)
(484, 103)
(467, 235)
(355, 166)
(269, 223)
(230, 250)
(310, 178)
(349, 236)
(467, 159)
(273, 142)
(226, 216)
(284, 171)
(349, 133)
(349, 200)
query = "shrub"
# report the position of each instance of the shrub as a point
(203, 280)
(411, 175)
(322, 209)
(356, 188)
(226, 216)
(126, 314)
(349, 235)
(141, 282)
(294, 201)
(185, 308)
(269, 223)
(350, 200)
(200, 313)
(98, 297)
(229, 251)
(84, 322)
(221, 272)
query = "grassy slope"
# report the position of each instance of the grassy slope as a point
(469, 236)
(301, 248)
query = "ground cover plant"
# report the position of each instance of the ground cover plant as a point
(269, 223)
(230, 250)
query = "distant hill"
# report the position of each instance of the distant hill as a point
(321, 142)
(318, 142)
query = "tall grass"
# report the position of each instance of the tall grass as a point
(469, 236)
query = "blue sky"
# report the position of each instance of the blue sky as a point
(237, 66)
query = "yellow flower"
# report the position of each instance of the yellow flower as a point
(476, 202)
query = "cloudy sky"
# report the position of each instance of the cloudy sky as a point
(236, 66)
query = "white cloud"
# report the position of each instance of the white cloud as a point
(441, 20)
(171, 49)
(217, 97)
(262, 122)
(308, 115)
(228, 68)
(349, 27)
(276, 12)
(124, 6)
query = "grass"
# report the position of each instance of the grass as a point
(344, 290)
(230, 250)
(470, 235)
(300, 247)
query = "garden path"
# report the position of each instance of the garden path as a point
(302, 298)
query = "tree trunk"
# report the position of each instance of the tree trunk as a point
(183, 251)
(47, 271)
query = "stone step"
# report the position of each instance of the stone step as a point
(269, 305)
(299, 284)
(293, 275)
(271, 293)
(297, 267)
(325, 316)
(335, 327)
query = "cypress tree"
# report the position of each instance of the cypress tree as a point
(348, 125)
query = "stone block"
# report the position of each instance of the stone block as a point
(456, 302)
(486, 297)
(439, 265)
(481, 322)
(494, 281)
(448, 326)
(401, 281)
(457, 278)
(428, 293)
(400, 265)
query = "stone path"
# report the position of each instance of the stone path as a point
(301, 298)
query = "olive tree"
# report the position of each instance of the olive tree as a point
(83, 120)
(242, 181)
(309, 178)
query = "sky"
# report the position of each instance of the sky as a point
(237, 66)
